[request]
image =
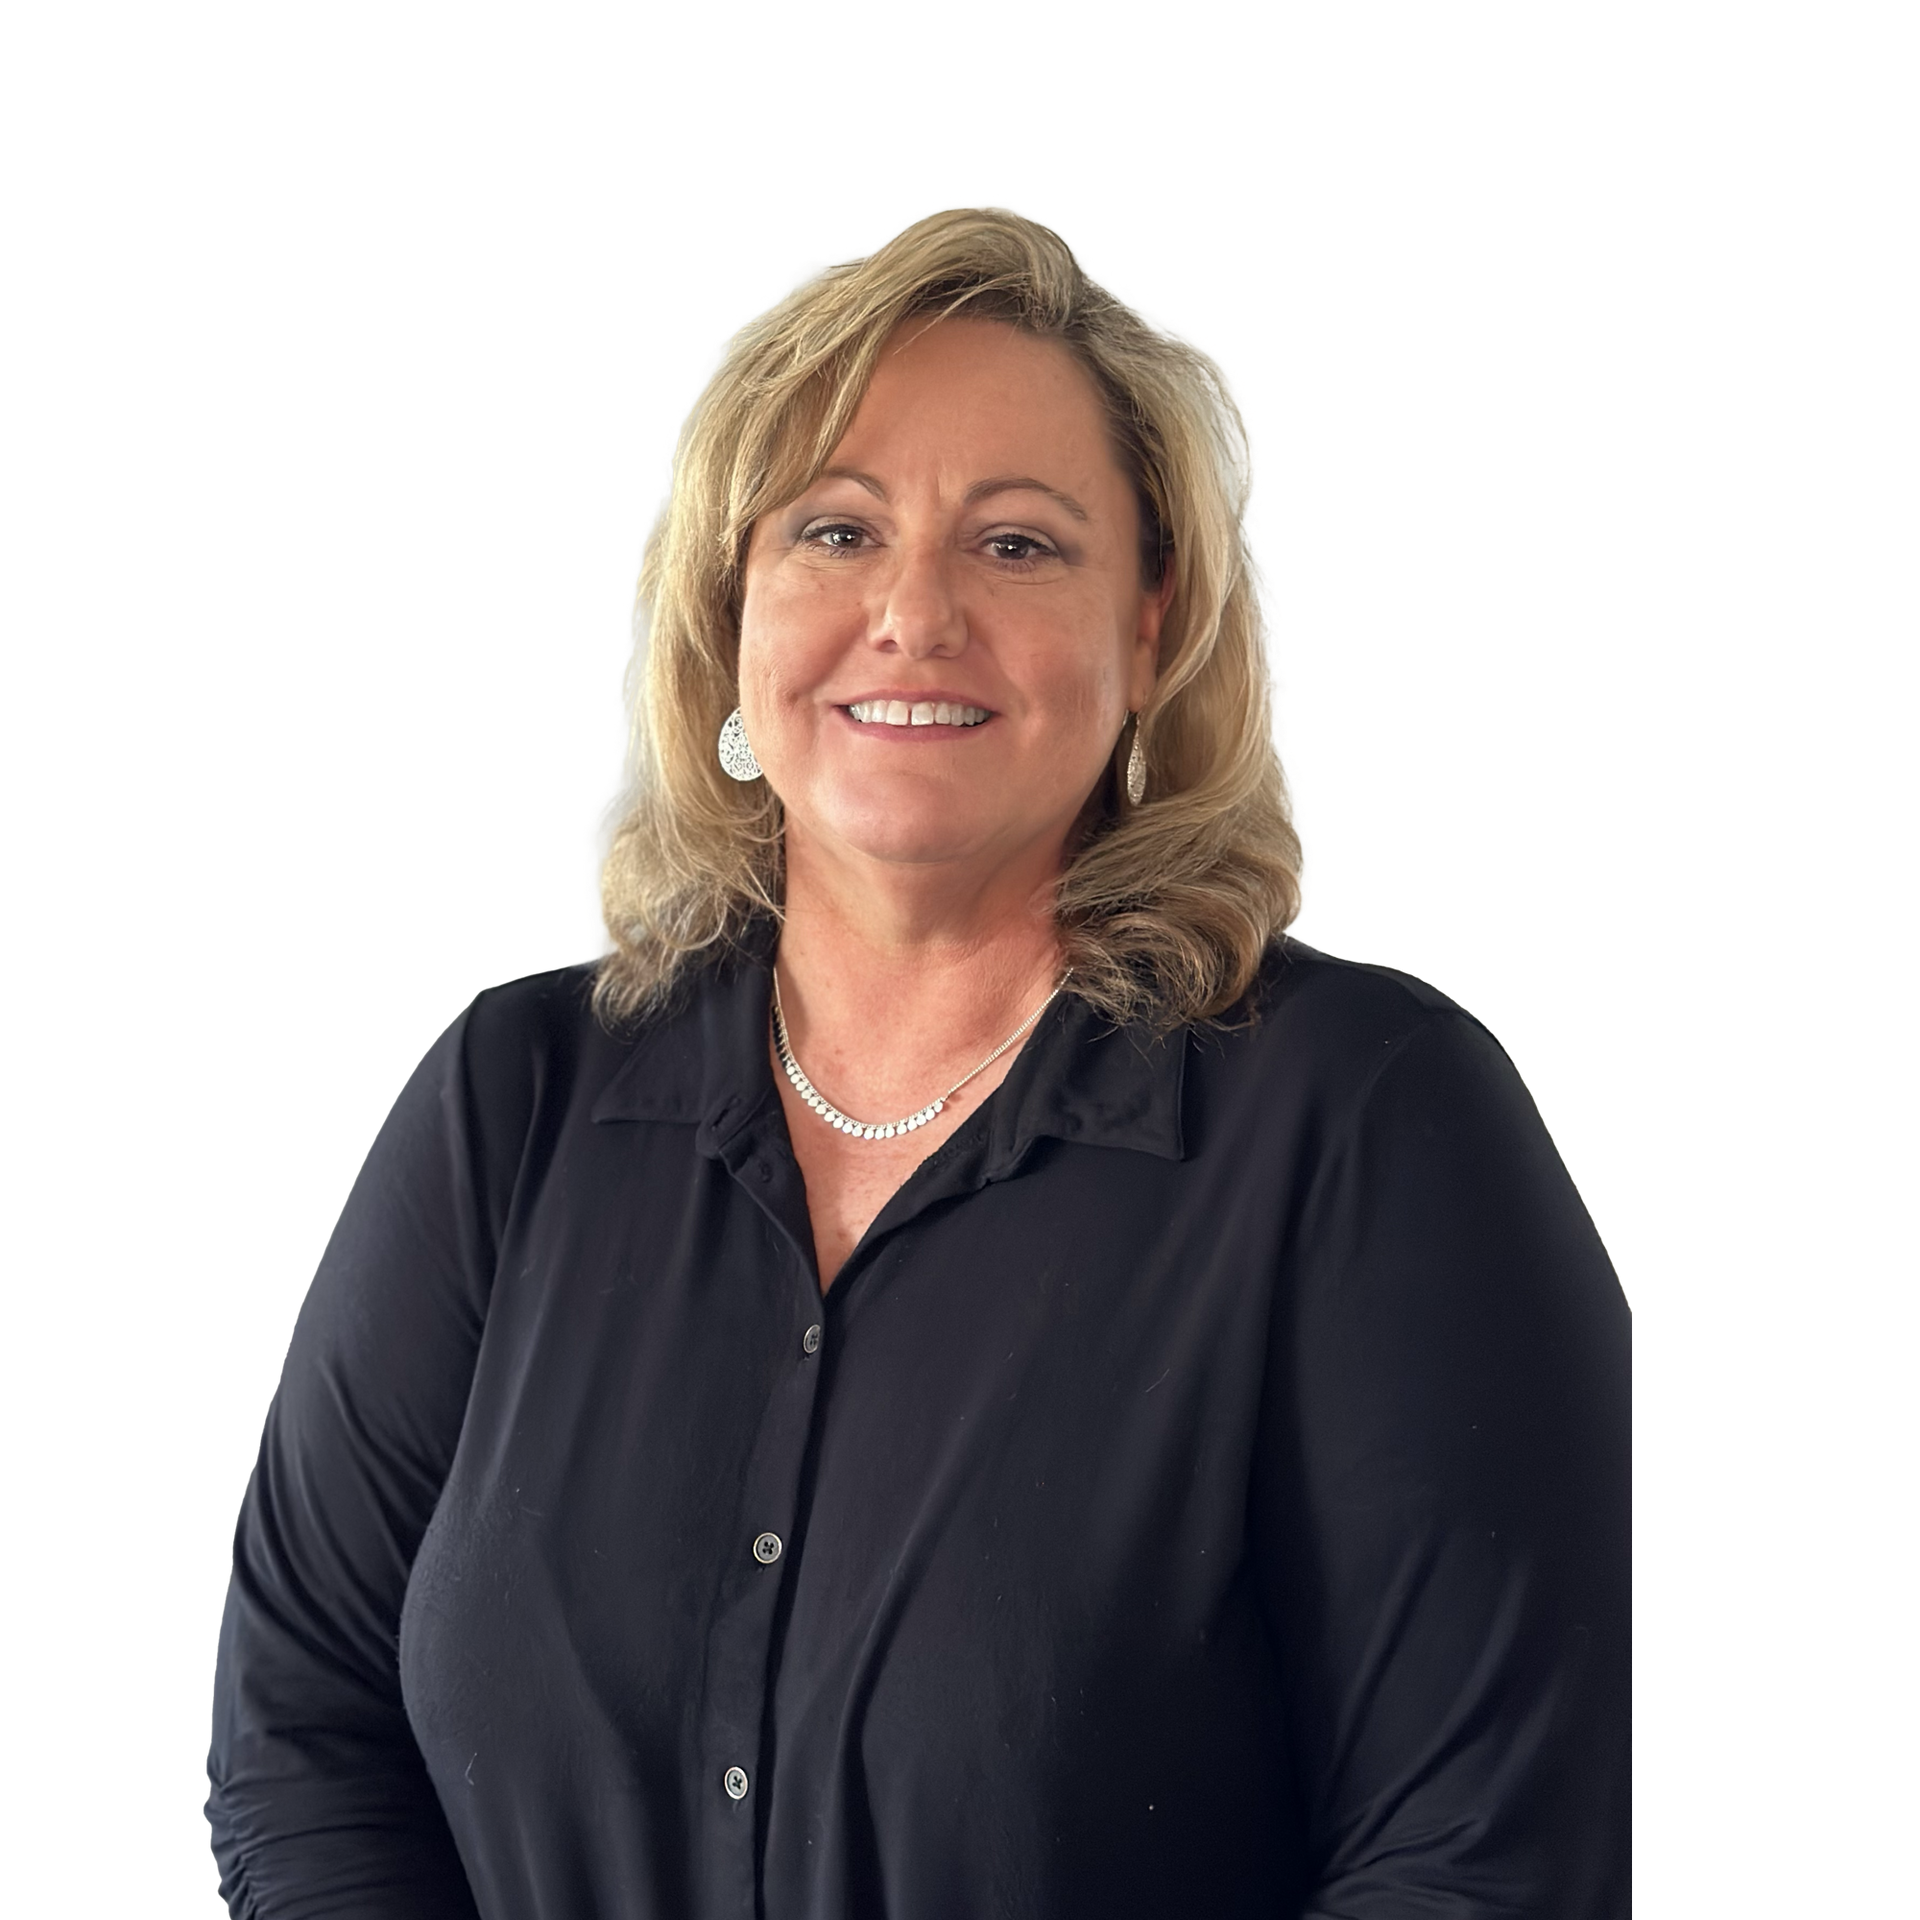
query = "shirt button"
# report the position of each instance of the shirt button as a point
(735, 1782)
(766, 1550)
(810, 1340)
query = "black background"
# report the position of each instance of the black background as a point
(434, 423)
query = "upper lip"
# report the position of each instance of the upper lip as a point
(915, 696)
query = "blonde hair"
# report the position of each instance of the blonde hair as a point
(1165, 909)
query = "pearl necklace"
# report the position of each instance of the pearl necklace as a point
(884, 1130)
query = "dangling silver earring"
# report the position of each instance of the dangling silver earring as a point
(736, 753)
(1136, 768)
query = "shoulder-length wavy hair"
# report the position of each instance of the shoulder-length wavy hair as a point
(1164, 909)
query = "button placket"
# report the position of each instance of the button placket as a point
(740, 1638)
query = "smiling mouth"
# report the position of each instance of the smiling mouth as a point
(919, 713)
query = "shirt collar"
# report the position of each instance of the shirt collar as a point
(706, 1063)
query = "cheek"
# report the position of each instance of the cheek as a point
(790, 635)
(758, 669)
(1083, 677)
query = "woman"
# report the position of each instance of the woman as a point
(958, 1372)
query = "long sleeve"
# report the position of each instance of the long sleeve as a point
(1203, 1490)
(1441, 1510)
(320, 1801)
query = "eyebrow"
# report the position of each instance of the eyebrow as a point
(980, 490)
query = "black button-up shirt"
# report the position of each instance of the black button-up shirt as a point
(1202, 1492)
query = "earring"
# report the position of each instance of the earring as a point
(736, 753)
(1136, 768)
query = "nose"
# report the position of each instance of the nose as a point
(920, 616)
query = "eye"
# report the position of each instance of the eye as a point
(1018, 548)
(836, 536)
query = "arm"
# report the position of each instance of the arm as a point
(320, 1801)
(1442, 1510)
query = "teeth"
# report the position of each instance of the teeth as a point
(921, 713)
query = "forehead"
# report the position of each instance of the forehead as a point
(965, 393)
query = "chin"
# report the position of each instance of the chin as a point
(910, 843)
(911, 829)
(933, 817)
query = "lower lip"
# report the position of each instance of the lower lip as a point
(933, 730)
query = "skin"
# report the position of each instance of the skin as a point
(920, 860)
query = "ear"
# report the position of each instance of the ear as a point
(1144, 669)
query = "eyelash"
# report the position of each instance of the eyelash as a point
(1037, 549)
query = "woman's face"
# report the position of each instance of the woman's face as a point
(941, 638)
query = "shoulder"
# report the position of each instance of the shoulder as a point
(519, 1044)
(540, 1044)
(538, 1012)
(1346, 1017)
(1318, 1038)
(1298, 981)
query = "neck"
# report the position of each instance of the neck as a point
(908, 975)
